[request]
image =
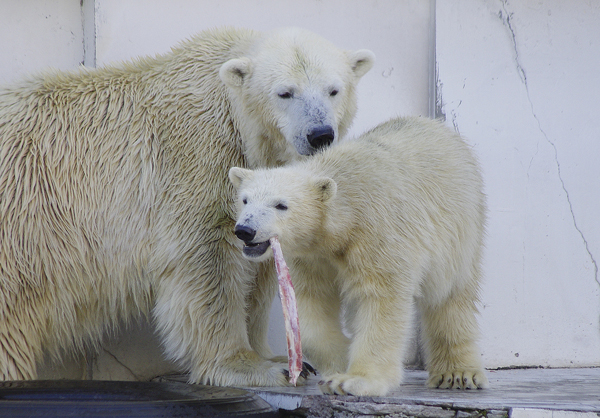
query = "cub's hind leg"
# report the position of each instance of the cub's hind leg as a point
(450, 332)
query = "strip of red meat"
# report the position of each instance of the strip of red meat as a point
(290, 312)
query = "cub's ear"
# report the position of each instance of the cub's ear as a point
(361, 61)
(235, 71)
(238, 175)
(325, 187)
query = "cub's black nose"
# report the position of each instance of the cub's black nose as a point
(321, 137)
(245, 233)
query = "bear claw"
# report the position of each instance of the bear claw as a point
(458, 380)
(307, 369)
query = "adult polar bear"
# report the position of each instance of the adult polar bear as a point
(114, 198)
(370, 224)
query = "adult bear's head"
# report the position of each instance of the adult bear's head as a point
(294, 87)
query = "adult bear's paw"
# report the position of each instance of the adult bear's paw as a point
(247, 368)
(307, 369)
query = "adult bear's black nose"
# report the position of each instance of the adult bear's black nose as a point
(321, 137)
(245, 233)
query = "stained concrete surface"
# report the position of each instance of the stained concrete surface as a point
(515, 393)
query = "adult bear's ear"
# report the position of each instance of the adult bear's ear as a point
(238, 175)
(361, 61)
(325, 187)
(235, 71)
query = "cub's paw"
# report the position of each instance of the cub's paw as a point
(347, 384)
(458, 379)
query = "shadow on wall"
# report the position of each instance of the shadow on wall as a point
(132, 354)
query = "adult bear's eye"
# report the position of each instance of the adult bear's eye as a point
(244, 201)
(333, 92)
(281, 206)
(286, 95)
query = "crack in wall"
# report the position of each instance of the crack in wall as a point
(455, 117)
(120, 363)
(439, 102)
(506, 18)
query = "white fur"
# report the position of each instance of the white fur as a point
(114, 199)
(376, 225)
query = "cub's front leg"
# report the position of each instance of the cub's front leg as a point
(380, 320)
(260, 299)
(318, 297)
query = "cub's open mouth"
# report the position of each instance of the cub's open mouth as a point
(255, 249)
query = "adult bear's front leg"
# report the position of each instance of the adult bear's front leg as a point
(201, 314)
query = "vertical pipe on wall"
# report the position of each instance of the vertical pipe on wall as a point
(432, 67)
(88, 22)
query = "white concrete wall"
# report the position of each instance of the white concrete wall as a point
(395, 31)
(36, 34)
(518, 80)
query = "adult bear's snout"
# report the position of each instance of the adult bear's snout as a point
(245, 233)
(321, 137)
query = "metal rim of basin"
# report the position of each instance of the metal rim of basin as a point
(93, 398)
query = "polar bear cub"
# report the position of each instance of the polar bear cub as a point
(377, 225)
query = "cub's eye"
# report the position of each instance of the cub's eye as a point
(244, 201)
(281, 206)
(333, 92)
(286, 95)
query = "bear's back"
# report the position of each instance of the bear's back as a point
(411, 181)
(402, 155)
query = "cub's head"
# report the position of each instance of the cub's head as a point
(283, 202)
(297, 88)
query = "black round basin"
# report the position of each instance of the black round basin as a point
(93, 398)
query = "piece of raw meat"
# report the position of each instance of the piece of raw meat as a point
(290, 312)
